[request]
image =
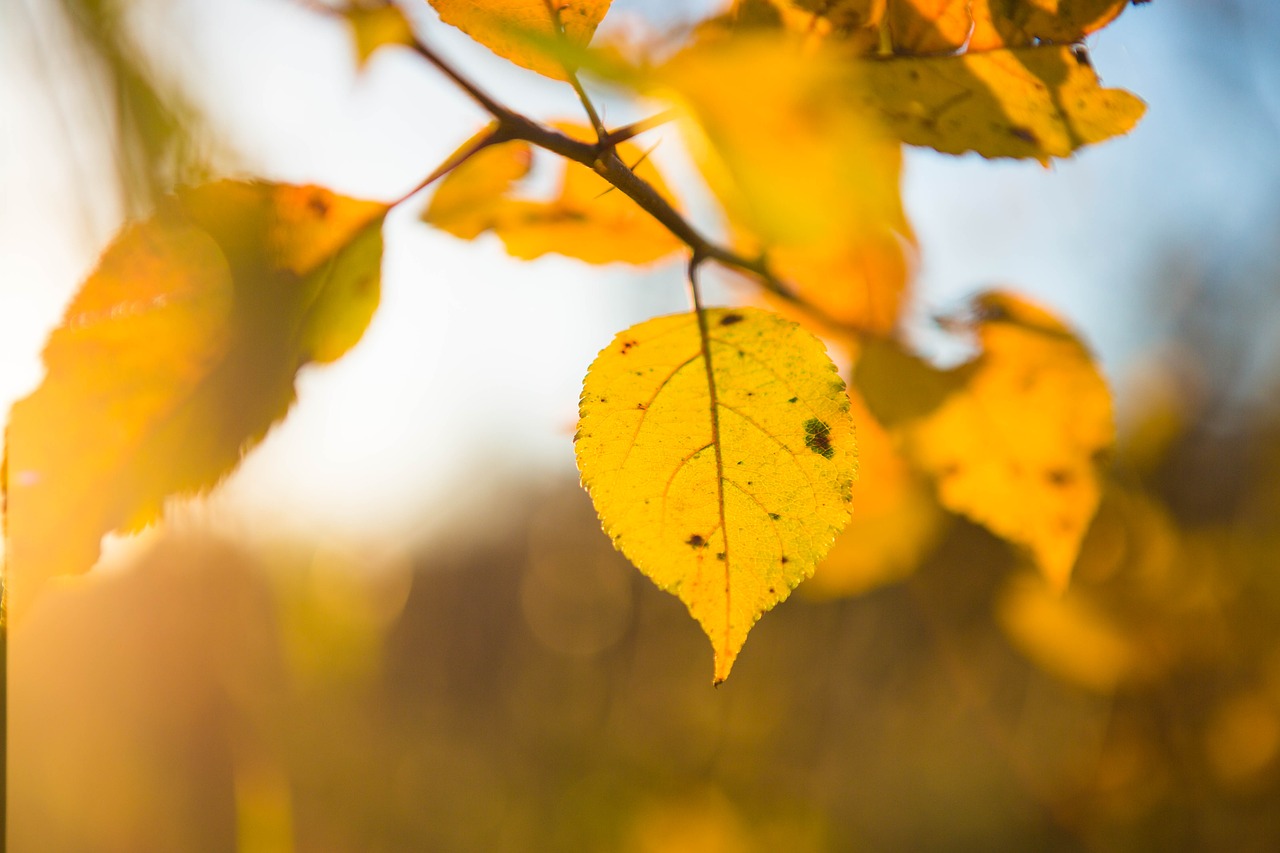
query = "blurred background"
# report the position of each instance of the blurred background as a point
(398, 625)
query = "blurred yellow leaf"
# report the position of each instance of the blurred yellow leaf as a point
(783, 138)
(467, 201)
(896, 520)
(801, 167)
(1061, 21)
(932, 26)
(375, 26)
(176, 356)
(1066, 635)
(862, 279)
(519, 30)
(720, 457)
(1013, 438)
(1242, 739)
(587, 219)
(1035, 102)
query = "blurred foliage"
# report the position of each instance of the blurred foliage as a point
(523, 688)
(158, 137)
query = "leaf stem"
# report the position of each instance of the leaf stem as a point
(571, 73)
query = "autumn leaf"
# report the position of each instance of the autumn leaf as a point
(1061, 21)
(1012, 439)
(176, 355)
(719, 452)
(467, 202)
(782, 137)
(518, 30)
(1035, 102)
(801, 168)
(375, 26)
(586, 219)
(999, 77)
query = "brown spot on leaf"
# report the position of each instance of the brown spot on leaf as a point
(1059, 477)
(1023, 133)
(626, 345)
(730, 319)
(696, 541)
(318, 205)
(817, 437)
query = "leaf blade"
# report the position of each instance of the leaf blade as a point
(722, 471)
(1035, 102)
(1013, 439)
(177, 355)
(516, 29)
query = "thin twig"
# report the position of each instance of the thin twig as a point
(571, 73)
(477, 94)
(622, 134)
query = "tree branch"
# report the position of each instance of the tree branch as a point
(602, 158)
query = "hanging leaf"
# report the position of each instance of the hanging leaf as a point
(176, 356)
(1004, 78)
(783, 138)
(720, 456)
(801, 167)
(375, 26)
(523, 30)
(1036, 102)
(587, 218)
(469, 200)
(1012, 439)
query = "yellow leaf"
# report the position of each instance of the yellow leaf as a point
(1035, 102)
(1066, 635)
(1062, 21)
(783, 137)
(467, 200)
(519, 30)
(930, 26)
(720, 456)
(801, 168)
(587, 219)
(860, 280)
(375, 26)
(1013, 438)
(176, 356)
(897, 522)
(919, 27)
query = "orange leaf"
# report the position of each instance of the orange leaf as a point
(524, 31)
(587, 218)
(1011, 439)
(1035, 102)
(176, 356)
